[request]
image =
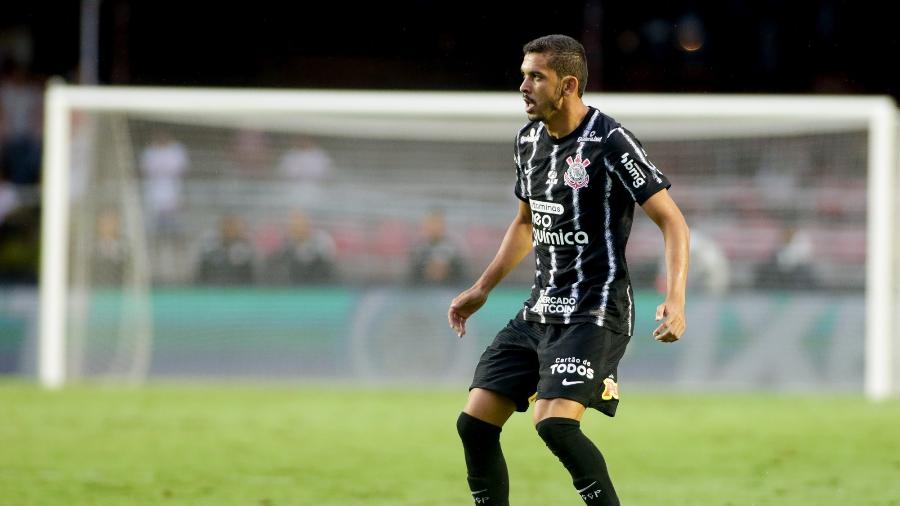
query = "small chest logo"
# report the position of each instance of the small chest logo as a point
(591, 138)
(531, 137)
(576, 176)
(552, 177)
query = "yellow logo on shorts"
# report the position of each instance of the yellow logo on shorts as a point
(610, 390)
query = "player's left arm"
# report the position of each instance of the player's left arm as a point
(667, 216)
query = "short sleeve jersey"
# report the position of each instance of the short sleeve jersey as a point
(581, 190)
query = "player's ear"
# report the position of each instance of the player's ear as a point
(570, 85)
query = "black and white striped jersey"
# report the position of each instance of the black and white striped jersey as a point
(581, 190)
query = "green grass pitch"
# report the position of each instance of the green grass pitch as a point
(228, 445)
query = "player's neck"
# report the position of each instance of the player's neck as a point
(567, 119)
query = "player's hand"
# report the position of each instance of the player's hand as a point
(673, 327)
(463, 306)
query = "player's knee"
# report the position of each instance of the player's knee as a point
(556, 431)
(471, 429)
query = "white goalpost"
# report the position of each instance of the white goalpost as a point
(392, 157)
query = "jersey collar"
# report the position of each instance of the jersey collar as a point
(574, 133)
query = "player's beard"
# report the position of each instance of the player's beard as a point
(550, 108)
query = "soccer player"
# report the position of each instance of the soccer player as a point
(579, 174)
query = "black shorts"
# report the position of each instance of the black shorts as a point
(529, 360)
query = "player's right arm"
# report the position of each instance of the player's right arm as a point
(515, 246)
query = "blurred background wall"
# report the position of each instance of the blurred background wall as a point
(212, 193)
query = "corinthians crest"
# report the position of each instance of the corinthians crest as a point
(576, 176)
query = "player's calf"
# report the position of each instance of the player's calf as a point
(487, 473)
(582, 459)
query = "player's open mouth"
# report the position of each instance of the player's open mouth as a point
(529, 104)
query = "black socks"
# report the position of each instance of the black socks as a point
(583, 460)
(488, 478)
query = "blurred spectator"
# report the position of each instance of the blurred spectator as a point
(251, 153)
(305, 257)
(227, 258)
(305, 162)
(110, 251)
(790, 267)
(21, 102)
(163, 164)
(19, 245)
(436, 260)
(9, 198)
(709, 270)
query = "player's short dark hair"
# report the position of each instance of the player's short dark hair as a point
(565, 56)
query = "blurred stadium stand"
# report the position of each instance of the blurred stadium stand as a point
(744, 196)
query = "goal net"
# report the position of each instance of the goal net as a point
(319, 236)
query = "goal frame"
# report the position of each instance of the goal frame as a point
(877, 113)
